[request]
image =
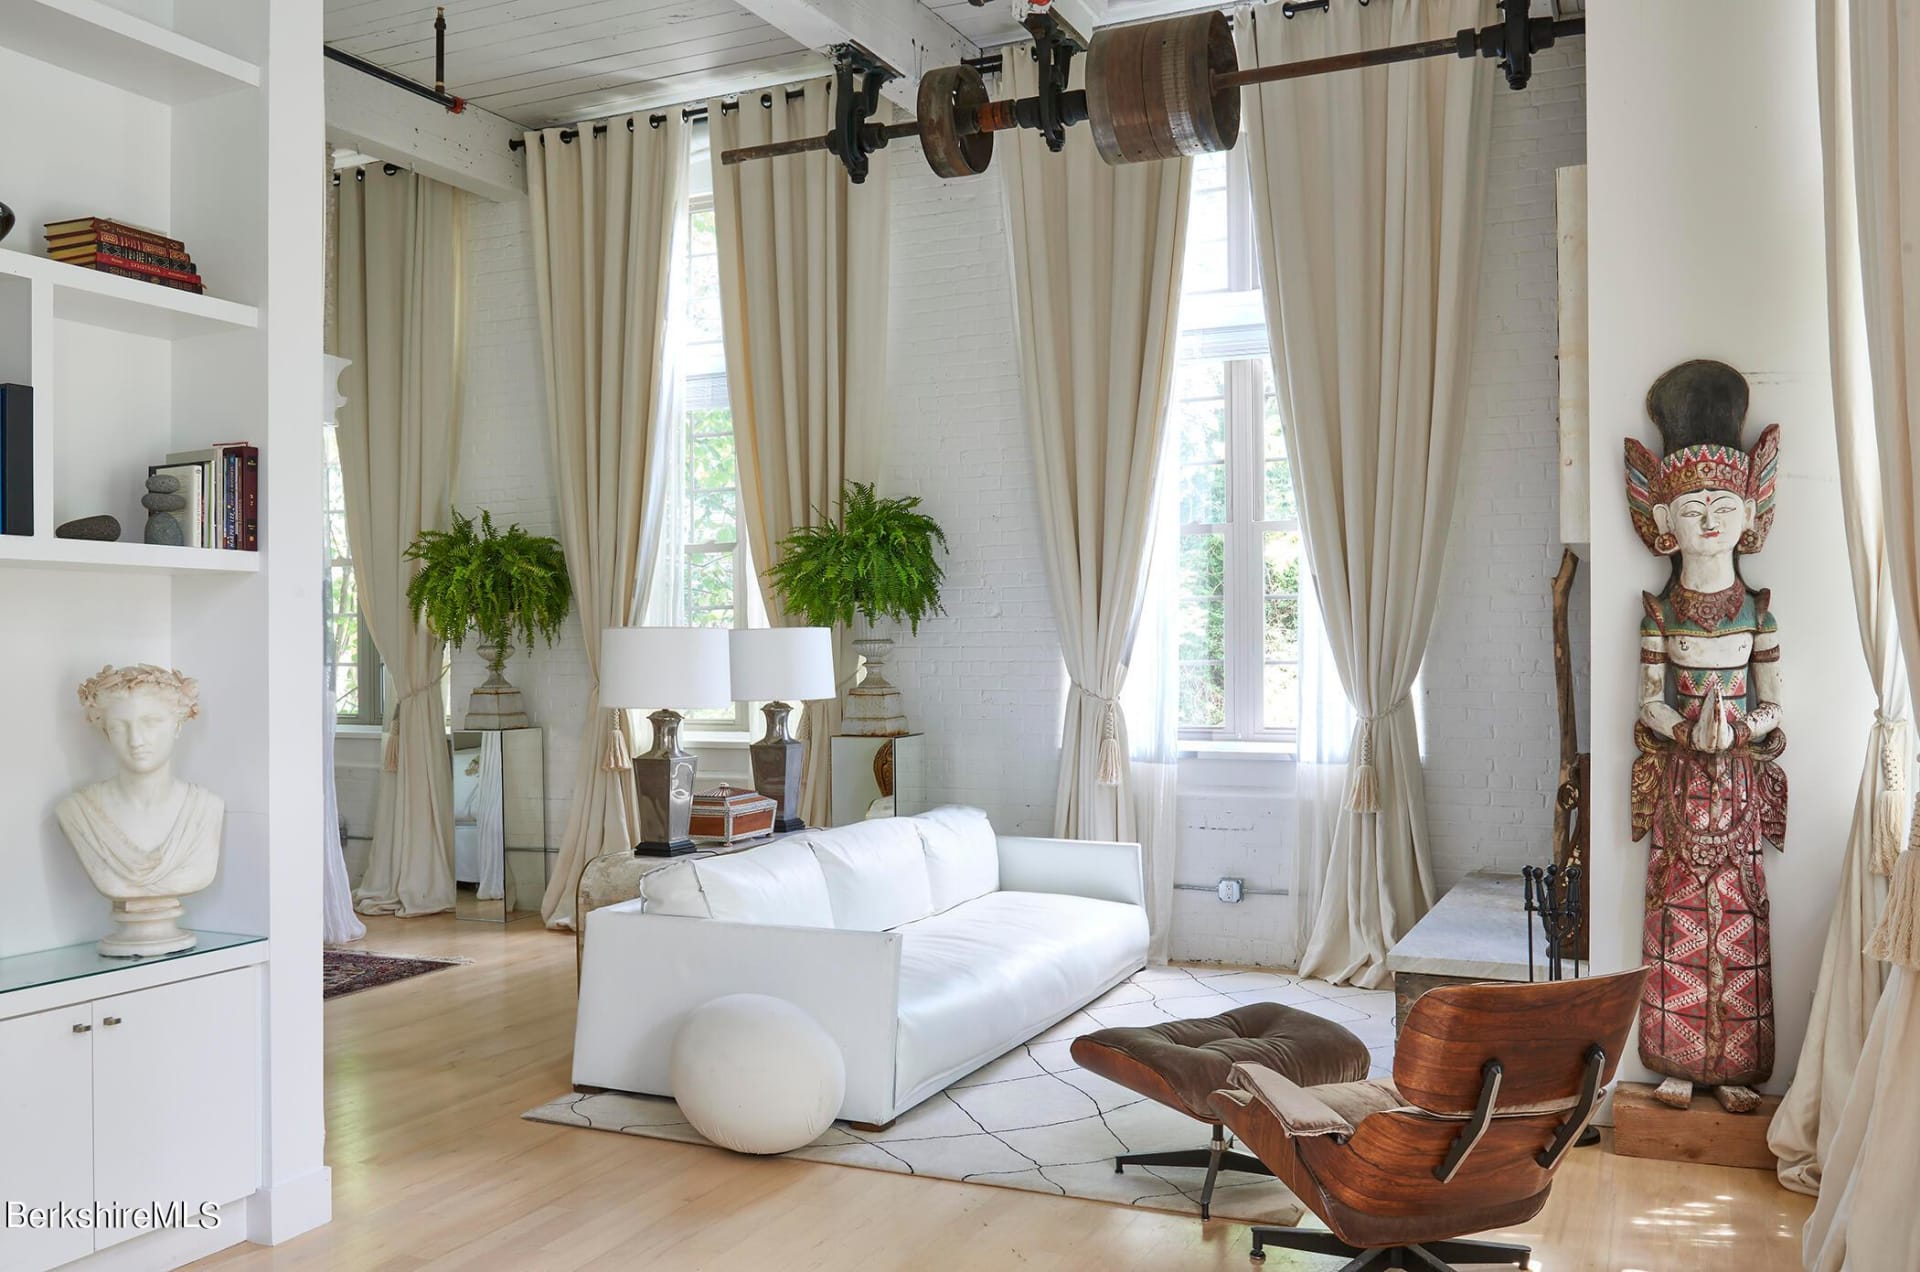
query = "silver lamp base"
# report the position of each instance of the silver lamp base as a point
(779, 768)
(663, 778)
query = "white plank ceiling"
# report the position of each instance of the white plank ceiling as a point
(542, 62)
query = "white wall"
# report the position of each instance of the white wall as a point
(984, 681)
(1705, 240)
(1491, 736)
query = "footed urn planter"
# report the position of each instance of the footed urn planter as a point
(495, 704)
(874, 709)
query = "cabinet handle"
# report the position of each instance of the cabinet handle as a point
(111, 1020)
(83, 1029)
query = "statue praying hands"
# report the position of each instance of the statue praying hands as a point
(1707, 784)
(145, 838)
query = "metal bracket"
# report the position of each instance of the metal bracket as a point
(1053, 48)
(1563, 1139)
(1514, 41)
(1469, 1136)
(855, 136)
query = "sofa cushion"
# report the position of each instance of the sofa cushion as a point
(992, 972)
(963, 854)
(875, 871)
(779, 883)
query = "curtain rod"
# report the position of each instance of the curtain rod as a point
(988, 64)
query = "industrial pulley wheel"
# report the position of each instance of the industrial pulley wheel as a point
(949, 98)
(1153, 91)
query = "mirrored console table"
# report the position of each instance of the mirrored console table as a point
(878, 777)
(499, 822)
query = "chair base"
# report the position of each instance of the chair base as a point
(1433, 1256)
(1216, 1157)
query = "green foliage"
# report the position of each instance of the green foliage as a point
(490, 583)
(879, 561)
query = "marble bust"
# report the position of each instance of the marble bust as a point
(145, 837)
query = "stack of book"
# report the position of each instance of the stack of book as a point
(222, 488)
(112, 247)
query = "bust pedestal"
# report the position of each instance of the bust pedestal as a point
(145, 926)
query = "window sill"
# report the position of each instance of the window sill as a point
(358, 730)
(1226, 749)
(717, 740)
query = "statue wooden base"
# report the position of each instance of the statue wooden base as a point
(1706, 1133)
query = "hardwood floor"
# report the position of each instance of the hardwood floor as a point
(433, 1168)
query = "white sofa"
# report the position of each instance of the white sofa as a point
(925, 946)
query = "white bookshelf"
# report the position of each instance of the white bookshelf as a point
(202, 120)
(115, 47)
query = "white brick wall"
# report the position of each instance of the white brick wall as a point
(984, 681)
(1491, 737)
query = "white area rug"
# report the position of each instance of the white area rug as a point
(1035, 1120)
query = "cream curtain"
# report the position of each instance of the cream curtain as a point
(1851, 980)
(1367, 194)
(1097, 254)
(1866, 1220)
(803, 259)
(604, 212)
(399, 286)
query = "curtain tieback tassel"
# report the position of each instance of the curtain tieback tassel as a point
(1890, 804)
(1109, 774)
(619, 755)
(390, 743)
(1897, 938)
(1363, 791)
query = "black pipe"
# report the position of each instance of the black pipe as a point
(688, 113)
(454, 105)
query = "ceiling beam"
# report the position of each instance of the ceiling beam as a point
(468, 150)
(904, 34)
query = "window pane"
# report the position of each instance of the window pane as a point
(1207, 261)
(1281, 567)
(711, 517)
(710, 589)
(703, 276)
(1273, 447)
(1280, 696)
(710, 463)
(1202, 631)
(1200, 421)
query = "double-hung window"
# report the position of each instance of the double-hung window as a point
(1240, 551)
(352, 663)
(705, 573)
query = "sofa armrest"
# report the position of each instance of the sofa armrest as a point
(1076, 867)
(1296, 1108)
(642, 973)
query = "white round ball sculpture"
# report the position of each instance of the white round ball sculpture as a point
(757, 1074)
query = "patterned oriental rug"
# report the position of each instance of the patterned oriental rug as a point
(350, 971)
(1035, 1120)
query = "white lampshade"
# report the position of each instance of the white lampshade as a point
(783, 664)
(680, 668)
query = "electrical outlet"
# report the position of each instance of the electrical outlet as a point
(1230, 890)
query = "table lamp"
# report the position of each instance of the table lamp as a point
(782, 665)
(644, 667)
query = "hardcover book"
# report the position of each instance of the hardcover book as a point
(16, 459)
(193, 485)
(95, 224)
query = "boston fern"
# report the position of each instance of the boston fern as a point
(878, 561)
(491, 583)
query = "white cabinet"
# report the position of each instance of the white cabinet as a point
(148, 1098)
(46, 1132)
(175, 1098)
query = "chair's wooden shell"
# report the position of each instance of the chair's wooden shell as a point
(1378, 1186)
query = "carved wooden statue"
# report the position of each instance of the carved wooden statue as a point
(1707, 784)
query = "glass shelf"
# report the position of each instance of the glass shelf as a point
(72, 962)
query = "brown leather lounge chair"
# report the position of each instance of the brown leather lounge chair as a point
(1491, 1085)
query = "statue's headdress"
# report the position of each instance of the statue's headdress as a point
(1699, 407)
(184, 690)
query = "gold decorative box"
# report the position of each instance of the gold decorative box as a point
(731, 815)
